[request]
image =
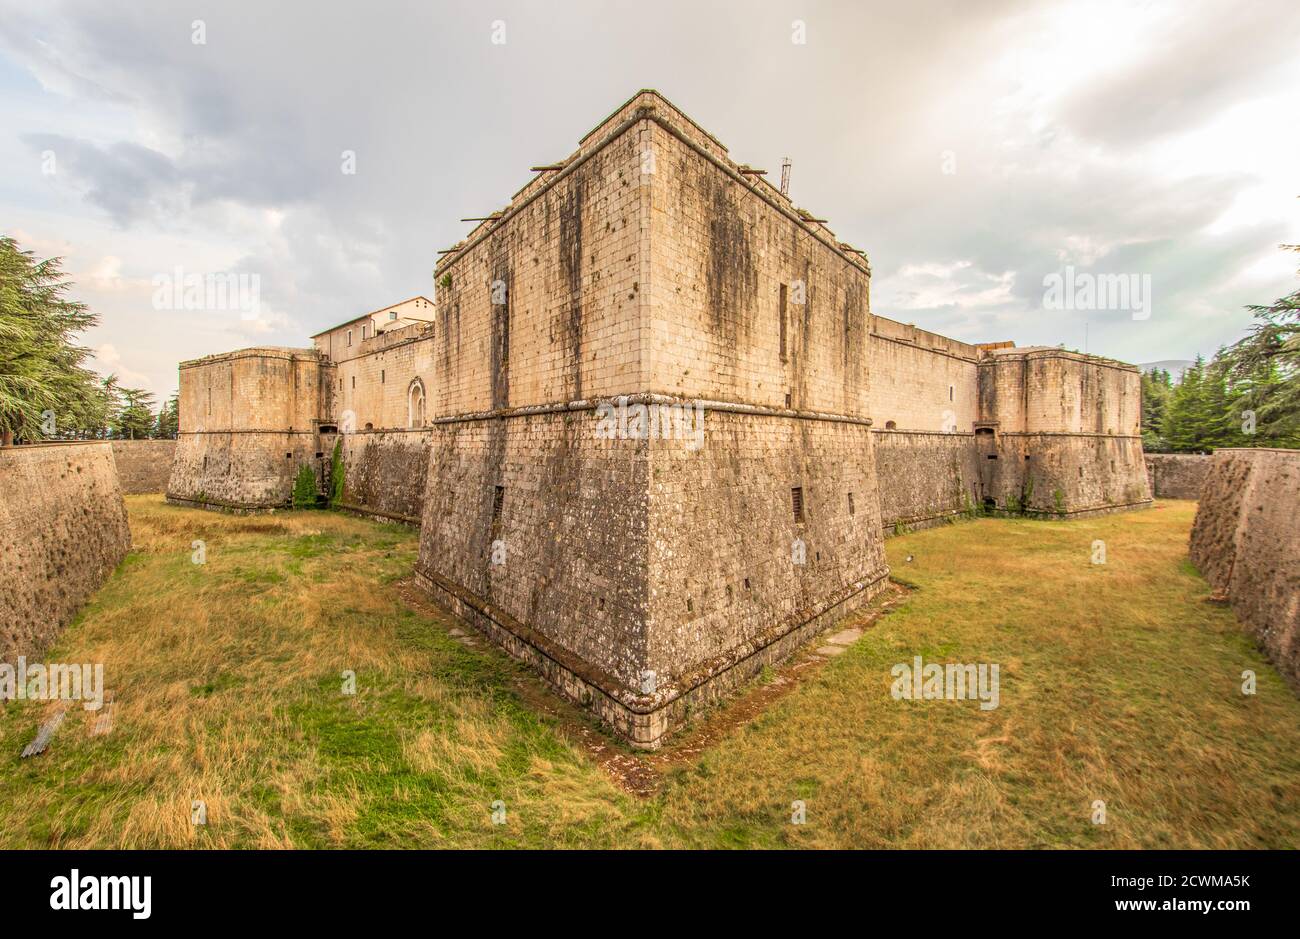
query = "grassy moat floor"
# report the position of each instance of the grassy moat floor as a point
(1119, 682)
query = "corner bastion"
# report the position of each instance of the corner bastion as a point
(651, 430)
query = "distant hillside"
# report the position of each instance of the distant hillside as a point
(1175, 367)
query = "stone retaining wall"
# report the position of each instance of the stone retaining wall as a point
(1177, 475)
(63, 530)
(143, 465)
(1246, 542)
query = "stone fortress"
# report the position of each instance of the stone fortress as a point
(652, 433)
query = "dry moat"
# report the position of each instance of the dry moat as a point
(1120, 682)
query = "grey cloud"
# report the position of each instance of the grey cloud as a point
(1211, 57)
(126, 180)
(444, 125)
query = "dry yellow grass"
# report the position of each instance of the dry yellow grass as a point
(1118, 682)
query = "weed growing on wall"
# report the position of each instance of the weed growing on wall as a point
(336, 475)
(304, 488)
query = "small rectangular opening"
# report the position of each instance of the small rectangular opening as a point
(796, 501)
(850, 503)
(498, 500)
(993, 456)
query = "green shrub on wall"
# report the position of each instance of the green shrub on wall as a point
(304, 488)
(336, 474)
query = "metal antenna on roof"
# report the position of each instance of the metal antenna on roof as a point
(785, 177)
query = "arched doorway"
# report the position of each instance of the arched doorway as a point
(415, 404)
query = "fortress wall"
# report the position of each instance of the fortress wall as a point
(248, 422)
(241, 471)
(925, 478)
(725, 575)
(720, 256)
(921, 381)
(1065, 474)
(253, 389)
(374, 384)
(143, 465)
(63, 530)
(1246, 543)
(572, 526)
(571, 325)
(1177, 475)
(1002, 391)
(1052, 391)
(385, 473)
(1067, 434)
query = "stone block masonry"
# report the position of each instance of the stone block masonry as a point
(1246, 543)
(249, 421)
(143, 466)
(63, 530)
(646, 573)
(1177, 475)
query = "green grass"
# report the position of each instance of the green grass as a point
(1118, 682)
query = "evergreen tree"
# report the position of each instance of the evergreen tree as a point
(1185, 416)
(1266, 367)
(1156, 390)
(44, 386)
(169, 419)
(135, 420)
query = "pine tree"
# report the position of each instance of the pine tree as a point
(169, 419)
(45, 390)
(1156, 390)
(1266, 366)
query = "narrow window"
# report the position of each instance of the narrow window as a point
(951, 391)
(783, 301)
(498, 499)
(796, 501)
(850, 503)
(381, 376)
(349, 337)
(354, 381)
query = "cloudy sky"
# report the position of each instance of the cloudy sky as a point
(972, 148)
